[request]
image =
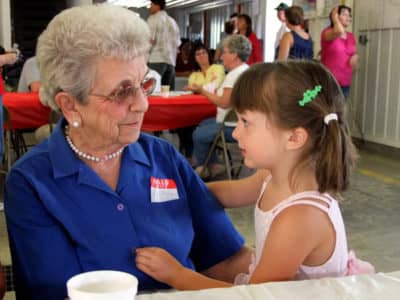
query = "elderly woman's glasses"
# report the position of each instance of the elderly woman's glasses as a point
(124, 92)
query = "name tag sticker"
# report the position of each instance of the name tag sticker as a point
(163, 190)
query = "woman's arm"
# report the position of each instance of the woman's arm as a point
(337, 30)
(44, 256)
(238, 193)
(220, 101)
(353, 61)
(285, 45)
(8, 59)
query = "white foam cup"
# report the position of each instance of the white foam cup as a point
(165, 91)
(102, 285)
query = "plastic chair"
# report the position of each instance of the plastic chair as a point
(220, 144)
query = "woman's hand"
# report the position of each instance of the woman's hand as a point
(159, 264)
(194, 88)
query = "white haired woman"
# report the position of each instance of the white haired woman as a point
(237, 49)
(97, 188)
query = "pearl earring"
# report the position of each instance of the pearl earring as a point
(75, 124)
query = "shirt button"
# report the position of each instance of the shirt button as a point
(120, 206)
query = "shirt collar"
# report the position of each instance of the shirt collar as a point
(65, 162)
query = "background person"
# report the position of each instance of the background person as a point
(280, 12)
(6, 59)
(228, 30)
(300, 232)
(206, 75)
(237, 49)
(338, 47)
(296, 44)
(165, 42)
(29, 80)
(244, 26)
(97, 188)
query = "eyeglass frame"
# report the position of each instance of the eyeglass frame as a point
(132, 90)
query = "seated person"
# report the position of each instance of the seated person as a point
(207, 75)
(237, 49)
(98, 188)
(29, 80)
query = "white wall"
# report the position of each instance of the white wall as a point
(5, 24)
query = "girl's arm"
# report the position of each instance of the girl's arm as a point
(238, 193)
(162, 266)
(285, 45)
(300, 234)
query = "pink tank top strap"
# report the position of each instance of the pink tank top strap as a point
(303, 198)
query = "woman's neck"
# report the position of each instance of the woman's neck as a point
(92, 147)
(204, 68)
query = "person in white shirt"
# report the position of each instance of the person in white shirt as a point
(283, 29)
(29, 80)
(165, 40)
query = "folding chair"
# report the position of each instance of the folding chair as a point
(221, 144)
(7, 158)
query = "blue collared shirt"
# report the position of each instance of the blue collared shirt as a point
(63, 219)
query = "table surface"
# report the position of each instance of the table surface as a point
(173, 112)
(361, 287)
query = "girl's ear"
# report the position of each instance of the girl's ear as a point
(68, 106)
(297, 138)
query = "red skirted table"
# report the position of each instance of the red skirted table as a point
(26, 111)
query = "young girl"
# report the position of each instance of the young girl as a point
(291, 128)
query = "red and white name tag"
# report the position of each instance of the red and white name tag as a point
(163, 190)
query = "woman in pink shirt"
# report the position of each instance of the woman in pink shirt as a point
(338, 47)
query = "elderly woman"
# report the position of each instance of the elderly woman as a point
(338, 47)
(237, 49)
(97, 188)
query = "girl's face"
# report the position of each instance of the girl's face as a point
(261, 142)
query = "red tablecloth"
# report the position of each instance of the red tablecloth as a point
(26, 111)
(164, 113)
(176, 112)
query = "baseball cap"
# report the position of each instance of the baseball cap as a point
(282, 6)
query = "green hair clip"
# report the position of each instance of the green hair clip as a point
(310, 95)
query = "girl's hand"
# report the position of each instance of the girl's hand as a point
(159, 264)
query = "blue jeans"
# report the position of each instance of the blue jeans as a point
(167, 73)
(203, 137)
(345, 91)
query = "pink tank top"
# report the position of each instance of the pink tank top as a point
(335, 266)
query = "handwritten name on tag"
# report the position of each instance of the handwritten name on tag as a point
(163, 190)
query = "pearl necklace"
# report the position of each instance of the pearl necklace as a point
(88, 156)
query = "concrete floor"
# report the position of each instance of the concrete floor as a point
(371, 213)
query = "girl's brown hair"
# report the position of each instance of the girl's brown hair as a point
(276, 89)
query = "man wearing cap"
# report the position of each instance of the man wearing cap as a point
(283, 29)
(165, 42)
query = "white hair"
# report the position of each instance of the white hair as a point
(68, 48)
(239, 44)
